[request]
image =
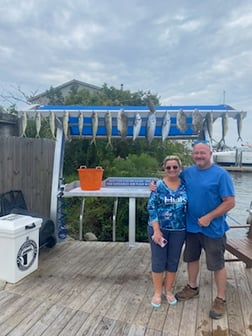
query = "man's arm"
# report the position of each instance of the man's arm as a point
(227, 204)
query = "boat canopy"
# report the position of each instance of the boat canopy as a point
(130, 111)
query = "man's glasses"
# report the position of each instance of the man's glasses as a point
(171, 167)
(195, 142)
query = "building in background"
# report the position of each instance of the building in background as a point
(8, 124)
(63, 90)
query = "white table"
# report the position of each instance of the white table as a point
(131, 192)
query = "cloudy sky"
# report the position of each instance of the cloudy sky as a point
(187, 52)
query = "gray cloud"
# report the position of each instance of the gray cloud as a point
(188, 52)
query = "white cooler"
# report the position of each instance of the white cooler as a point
(19, 246)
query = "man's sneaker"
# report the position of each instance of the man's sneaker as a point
(218, 309)
(187, 293)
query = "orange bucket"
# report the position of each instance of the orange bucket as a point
(90, 178)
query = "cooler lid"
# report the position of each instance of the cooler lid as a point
(15, 223)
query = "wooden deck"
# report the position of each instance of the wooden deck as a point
(105, 288)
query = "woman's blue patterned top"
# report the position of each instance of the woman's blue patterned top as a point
(168, 207)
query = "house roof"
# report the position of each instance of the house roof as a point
(65, 85)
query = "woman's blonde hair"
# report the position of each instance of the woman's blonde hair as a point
(172, 157)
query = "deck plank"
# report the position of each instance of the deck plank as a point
(10, 306)
(104, 278)
(85, 281)
(138, 296)
(74, 325)
(89, 325)
(31, 318)
(16, 317)
(128, 280)
(120, 328)
(204, 322)
(105, 288)
(59, 322)
(41, 326)
(244, 295)
(173, 316)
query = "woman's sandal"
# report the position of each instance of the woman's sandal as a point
(156, 301)
(171, 299)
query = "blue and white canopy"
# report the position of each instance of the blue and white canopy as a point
(130, 111)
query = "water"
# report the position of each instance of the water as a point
(243, 189)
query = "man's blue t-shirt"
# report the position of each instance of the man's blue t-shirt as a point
(206, 189)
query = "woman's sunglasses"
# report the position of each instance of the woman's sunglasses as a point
(171, 167)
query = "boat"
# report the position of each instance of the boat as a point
(239, 157)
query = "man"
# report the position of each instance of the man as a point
(210, 193)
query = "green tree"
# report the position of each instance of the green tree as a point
(107, 96)
(55, 96)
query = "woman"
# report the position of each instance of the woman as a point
(166, 226)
